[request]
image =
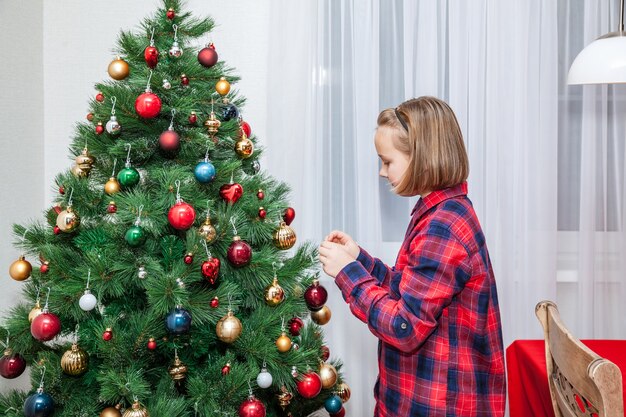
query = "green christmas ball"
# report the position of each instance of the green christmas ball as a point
(135, 236)
(128, 177)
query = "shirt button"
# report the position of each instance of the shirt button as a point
(403, 326)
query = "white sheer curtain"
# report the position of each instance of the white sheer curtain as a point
(547, 160)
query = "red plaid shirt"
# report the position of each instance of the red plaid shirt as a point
(435, 313)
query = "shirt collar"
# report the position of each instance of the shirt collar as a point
(436, 197)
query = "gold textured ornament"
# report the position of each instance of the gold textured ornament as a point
(321, 316)
(222, 86)
(84, 162)
(284, 237)
(77, 172)
(74, 361)
(212, 124)
(229, 328)
(137, 410)
(328, 375)
(68, 220)
(118, 69)
(207, 231)
(244, 147)
(20, 269)
(283, 343)
(111, 412)
(112, 186)
(34, 312)
(178, 370)
(274, 293)
(284, 397)
(343, 391)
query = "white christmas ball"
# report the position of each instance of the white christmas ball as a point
(142, 273)
(88, 301)
(113, 127)
(264, 379)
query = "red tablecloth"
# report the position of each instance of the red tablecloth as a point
(529, 394)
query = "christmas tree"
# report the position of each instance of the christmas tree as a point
(168, 285)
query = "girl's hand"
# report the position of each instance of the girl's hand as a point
(334, 257)
(337, 236)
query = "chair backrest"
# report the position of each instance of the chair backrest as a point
(581, 382)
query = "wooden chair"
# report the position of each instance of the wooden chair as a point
(581, 382)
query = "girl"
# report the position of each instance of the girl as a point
(436, 311)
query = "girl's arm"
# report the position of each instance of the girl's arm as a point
(376, 267)
(438, 269)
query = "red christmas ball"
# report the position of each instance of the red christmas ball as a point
(210, 270)
(262, 213)
(12, 365)
(107, 335)
(169, 141)
(99, 128)
(231, 192)
(226, 369)
(184, 80)
(252, 407)
(111, 208)
(90, 116)
(152, 344)
(148, 105)
(260, 195)
(295, 325)
(207, 57)
(193, 118)
(44, 267)
(288, 215)
(325, 353)
(340, 413)
(215, 302)
(99, 97)
(310, 385)
(245, 127)
(315, 296)
(45, 326)
(151, 55)
(171, 14)
(188, 259)
(181, 216)
(61, 190)
(56, 230)
(239, 253)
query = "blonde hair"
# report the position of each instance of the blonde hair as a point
(428, 132)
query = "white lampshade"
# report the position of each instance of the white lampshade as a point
(603, 61)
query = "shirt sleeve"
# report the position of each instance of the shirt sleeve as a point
(438, 268)
(376, 267)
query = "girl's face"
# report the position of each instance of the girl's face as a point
(393, 162)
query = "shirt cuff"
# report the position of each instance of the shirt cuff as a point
(366, 260)
(349, 277)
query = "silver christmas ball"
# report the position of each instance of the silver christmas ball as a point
(87, 301)
(166, 84)
(294, 371)
(113, 127)
(142, 273)
(264, 379)
(256, 166)
(175, 50)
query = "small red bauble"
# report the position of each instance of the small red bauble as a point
(169, 141)
(12, 364)
(148, 105)
(231, 192)
(112, 208)
(193, 118)
(45, 326)
(252, 407)
(99, 128)
(44, 267)
(170, 13)
(184, 80)
(99, 97)
(188, 259)
(207, 57)
(260, 195)
(289, 215)
(90, 116)
(315, 296)
(239, 252)
(152, 344)
(340, 413)
(61, 190)
(107, 335)
(226, 369)
(310, 385)
(210, 270)
(325, 353)
(246, 128)
(295, 325)
(56, 230)
(181, 216)
(262, 213)
(215, 302)
(151, 55)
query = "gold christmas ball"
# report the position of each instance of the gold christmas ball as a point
(212, 124)
(328, 375)
(84, 161)
(284, 237)
(178, 370)
(274, 293)
(137, 410)
(111, 412)
(244, 147)
(228, 328)
(207, 231)
(283, 343)
(321, 316)
(68, 220)
(77, 172)
(343, 391)
(20, 269)
(34, 312)
(74, 361)
(112, 186)
(119, 69)
(284, 397)
(222, 86)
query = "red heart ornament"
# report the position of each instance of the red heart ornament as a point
(288, 215)
(231, 192)
(210, 270)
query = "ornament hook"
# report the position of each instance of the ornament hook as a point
(178, 199)
(114, 100)
(232, 221)
(172, 120)
(114, 166)
(128, 146)
(152, 37)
